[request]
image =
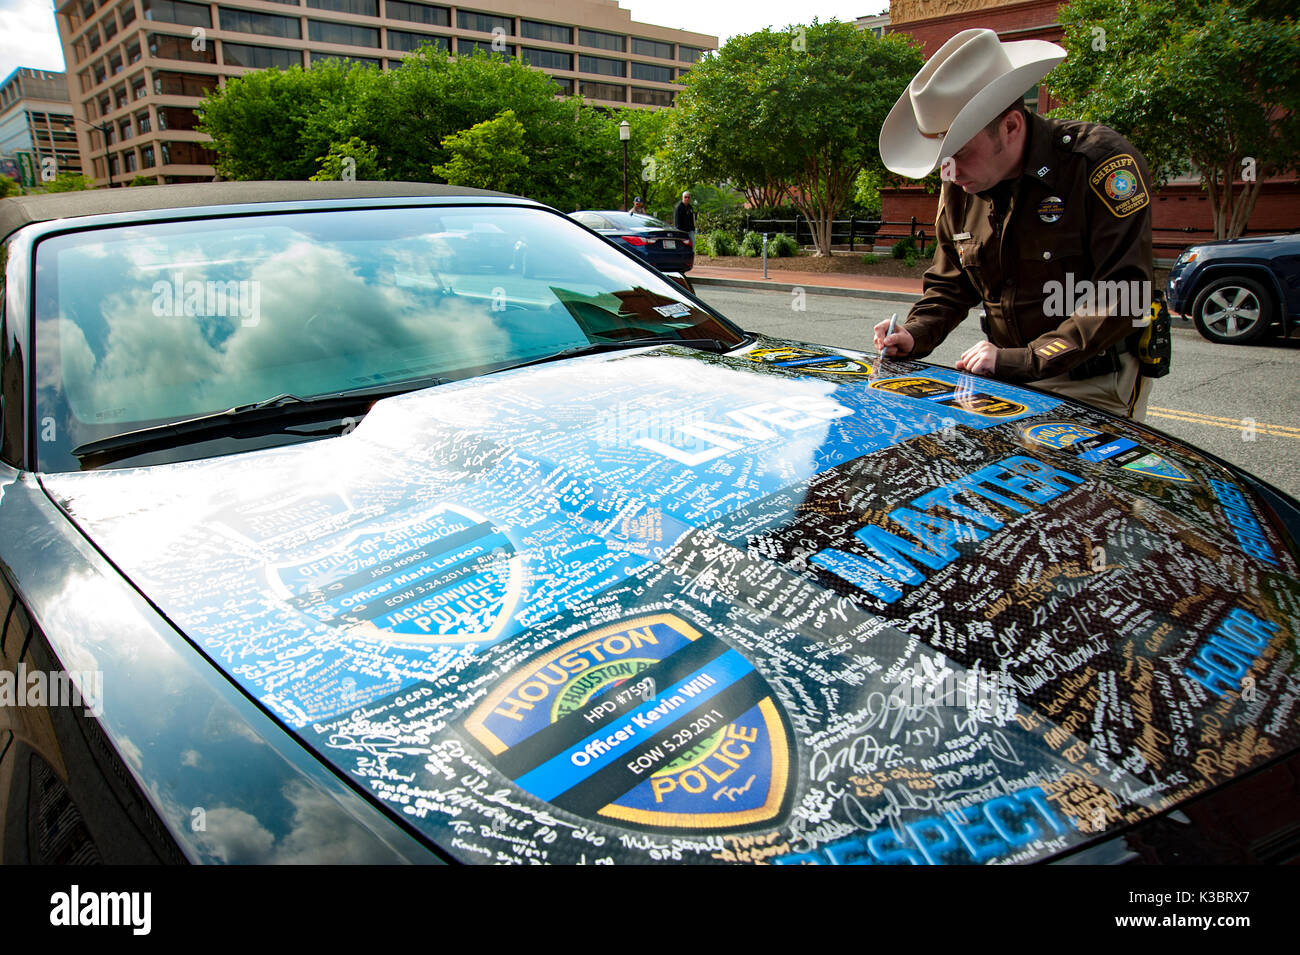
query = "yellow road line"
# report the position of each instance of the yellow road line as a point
(1234, 424)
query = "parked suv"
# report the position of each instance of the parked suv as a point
(1239, 290)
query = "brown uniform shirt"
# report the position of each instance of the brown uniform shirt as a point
(1044, 253)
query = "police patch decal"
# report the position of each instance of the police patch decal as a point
(1118, 183)
(648, 721)
(1092, 444)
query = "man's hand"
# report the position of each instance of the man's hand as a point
(896, 345)
(979, 359)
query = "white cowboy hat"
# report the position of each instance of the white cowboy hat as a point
(965, 85)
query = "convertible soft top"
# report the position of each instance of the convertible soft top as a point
(18, 211)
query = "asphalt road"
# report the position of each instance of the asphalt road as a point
(1241, 403)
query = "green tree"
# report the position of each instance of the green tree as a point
(276, 124)
(68, 182)
(9, 188)
(488, 155)
(144, 181)
(795, 111)
(1205, 85)
(353, 159)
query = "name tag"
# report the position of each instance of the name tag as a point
(961, 235)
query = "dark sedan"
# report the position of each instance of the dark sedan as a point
(666, 248)
(380, 522)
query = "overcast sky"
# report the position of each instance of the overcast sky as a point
(28, 37)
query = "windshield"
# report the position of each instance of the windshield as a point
(164, 321)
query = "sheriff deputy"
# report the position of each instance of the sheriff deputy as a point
(1028, 206)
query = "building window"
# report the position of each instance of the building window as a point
(178, 11)
(652, 48)
(345, 60)
(86, 81)
(548, 59)
(565, 85)
(128, 161)
(182, 84)
(263, 24)
(142, 122)
(127, 12)
(110, 27)
(146, 157)
(257, 57)
(187, 154)
(101, 73)
(652, 97)
(484, 22)
(133, 52)
(603, 41)
(115, 63)
(609, 91)
(359, 8)
(418, 13)
(536, 30)
(110, 135)
(114, 167)
(323, 32)
(689, 54)
(466, 47)
(177, 117)
(140, 89)
(406, 42)
(105, 104)
(164, 46)
(124, 129)
(602, 65)
(647, 71)
(92, 39)
(119, 97)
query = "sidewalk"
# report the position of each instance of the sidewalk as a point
(883, 287)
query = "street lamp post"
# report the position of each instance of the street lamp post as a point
(104, 129)
(625, 133)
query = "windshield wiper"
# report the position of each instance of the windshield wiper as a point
(704, 344)
(250, 417)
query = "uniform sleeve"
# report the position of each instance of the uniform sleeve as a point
(947, 294)
(1118, 240)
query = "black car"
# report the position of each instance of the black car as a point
(1239, 290)
(666, 248)
(391, 522)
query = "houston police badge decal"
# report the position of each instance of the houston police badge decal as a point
(649, 722)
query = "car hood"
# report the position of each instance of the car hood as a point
(775, 606)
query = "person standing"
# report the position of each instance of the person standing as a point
(684, 216)
(1031, 211)
(638, 207)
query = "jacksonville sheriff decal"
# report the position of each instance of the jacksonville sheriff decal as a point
(650, 722)
(1091, 444)
(952, 396)
(448, 576)
(808, 359)
(1118, 183)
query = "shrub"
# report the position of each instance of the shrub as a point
(721, 242)
(751, 244)
(783, 246)
(910, 259)
(902, 247)
(870, 259)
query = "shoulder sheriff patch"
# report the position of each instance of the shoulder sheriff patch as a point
(1118, 183)
(649, 722)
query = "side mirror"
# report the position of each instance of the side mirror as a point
(681, 280)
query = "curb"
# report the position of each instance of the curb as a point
(878, 294)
